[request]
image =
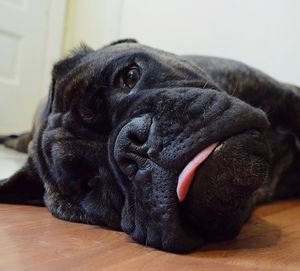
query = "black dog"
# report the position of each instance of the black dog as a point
(173, 150)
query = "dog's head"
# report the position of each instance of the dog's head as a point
(142, 140)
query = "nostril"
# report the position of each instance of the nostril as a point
(92, 183)
(131, 146)
(151, 152)
(138, 138)
(142, 174)
(129, 168)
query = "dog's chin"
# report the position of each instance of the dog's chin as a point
(217, 202)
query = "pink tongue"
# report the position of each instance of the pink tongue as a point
(187, 175)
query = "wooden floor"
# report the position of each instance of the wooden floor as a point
(31, 239)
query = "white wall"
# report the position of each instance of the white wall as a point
(95, 22)
(262, 33)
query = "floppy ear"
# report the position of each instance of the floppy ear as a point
(294, 105)
(286, 109)
(23, 187)
(121, 41)
(62, 67)
(280, 101)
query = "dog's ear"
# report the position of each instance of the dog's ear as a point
(121, 41)
(24, 187)
(286, 110)
(281, 103)
(294, 105)
(62, 67)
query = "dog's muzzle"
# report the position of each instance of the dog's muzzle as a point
(163, 155)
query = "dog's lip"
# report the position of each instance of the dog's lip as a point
(186, 176)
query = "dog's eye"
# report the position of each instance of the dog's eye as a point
(86, 113)
(131, 77)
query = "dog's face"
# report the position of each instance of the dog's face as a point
(142, 140)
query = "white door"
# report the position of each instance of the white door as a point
(26, 52)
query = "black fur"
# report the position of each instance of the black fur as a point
(108, 154)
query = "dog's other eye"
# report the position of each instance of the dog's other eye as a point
(131, 77)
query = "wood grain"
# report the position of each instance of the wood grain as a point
(31, 239)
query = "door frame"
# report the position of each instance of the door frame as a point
(54, 40)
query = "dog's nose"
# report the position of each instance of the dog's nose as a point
(132, 148)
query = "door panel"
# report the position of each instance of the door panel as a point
(10, 49)
(24, 25)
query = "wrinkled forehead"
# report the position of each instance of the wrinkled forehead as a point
(109, 60)
(87, 65)
(112, 57)
(123, 50)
